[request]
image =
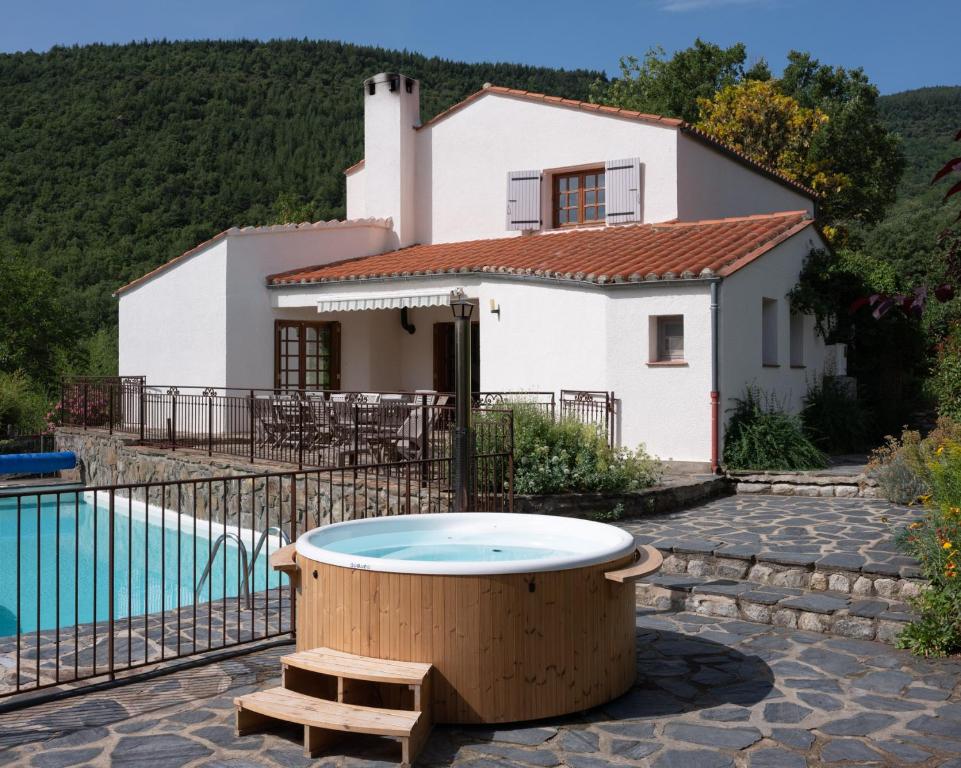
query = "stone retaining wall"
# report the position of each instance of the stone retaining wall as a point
(321, 497)
(804, 484)
(614, 506)
(900, 583)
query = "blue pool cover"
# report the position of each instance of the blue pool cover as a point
(36, 463)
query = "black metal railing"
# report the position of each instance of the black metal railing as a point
(112, 579)
(597, 408)
(303, 428)
(40, 443)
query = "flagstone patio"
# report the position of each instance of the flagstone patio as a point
(710, 692)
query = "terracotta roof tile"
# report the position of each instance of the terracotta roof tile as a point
(625, 253)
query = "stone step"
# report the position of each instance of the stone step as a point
(897, 578)
(832, 613)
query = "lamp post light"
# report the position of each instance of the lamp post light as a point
(462, 309)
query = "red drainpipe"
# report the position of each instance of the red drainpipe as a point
(715, 399)
(715, 393)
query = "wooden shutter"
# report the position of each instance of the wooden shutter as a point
(623, 182)
(524, 200)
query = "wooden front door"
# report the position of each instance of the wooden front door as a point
(444, 364)
(306, 355)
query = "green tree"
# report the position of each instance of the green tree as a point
(852, 140)
(32, 326)
(672, 86)
(755, 118)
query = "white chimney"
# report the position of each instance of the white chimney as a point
(391, 112)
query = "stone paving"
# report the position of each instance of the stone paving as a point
(778, 524)
(711, 693)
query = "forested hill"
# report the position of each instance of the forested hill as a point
(927, 120)
(114, 158)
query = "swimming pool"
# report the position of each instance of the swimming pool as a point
(159, 557)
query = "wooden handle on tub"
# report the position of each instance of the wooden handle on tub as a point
(285, 560)
(647, 561)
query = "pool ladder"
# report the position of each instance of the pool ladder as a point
(246, 565)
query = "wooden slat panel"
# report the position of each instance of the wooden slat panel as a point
(523, 200)
(623, 192)
(299, 708)
(500, 652)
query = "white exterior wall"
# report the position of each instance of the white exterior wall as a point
(666, 407)
(356, 194)
(463, 161)
(547, 337)
(713, 186)
(251, 258)
(173, 327)
(741, 294)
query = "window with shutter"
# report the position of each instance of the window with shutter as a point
(524, 200)
(579, 198)
(623, 190)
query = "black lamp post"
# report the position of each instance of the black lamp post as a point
(462, 309)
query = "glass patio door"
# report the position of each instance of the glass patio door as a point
(306, 355)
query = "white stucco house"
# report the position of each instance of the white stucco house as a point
(606, 250)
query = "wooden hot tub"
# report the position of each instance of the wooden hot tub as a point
(533, 617)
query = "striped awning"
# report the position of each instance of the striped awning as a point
(359, 302)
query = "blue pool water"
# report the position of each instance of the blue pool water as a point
(436, 546)
(74, 555)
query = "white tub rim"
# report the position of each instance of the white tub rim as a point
(609, 543)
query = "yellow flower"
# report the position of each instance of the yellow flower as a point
(940, 450)
(947, 545)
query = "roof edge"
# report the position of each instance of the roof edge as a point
(750, 258)
(277, 280)
(245, 231)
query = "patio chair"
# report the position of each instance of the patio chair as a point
(411, 437)
(318, 416)
(271, 430)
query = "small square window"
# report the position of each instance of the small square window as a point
(668, 339)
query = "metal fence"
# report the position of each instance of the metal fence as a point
(109, 580)
(27, 444)
(304, 428)
(597, 408)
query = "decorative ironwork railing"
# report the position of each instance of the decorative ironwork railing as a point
(304, 428)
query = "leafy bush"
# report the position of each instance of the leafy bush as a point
(762, 435)
(902, 465)
(23, 410)
(945, 381)
(934, 541)
(567, 456)
(834, 420)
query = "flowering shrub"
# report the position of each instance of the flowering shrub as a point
(70, 410)
(902, 466)
(567, 456)
(935, 541)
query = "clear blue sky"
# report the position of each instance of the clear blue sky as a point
(900, 44)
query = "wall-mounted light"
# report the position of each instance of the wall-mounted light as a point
(495, 309)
